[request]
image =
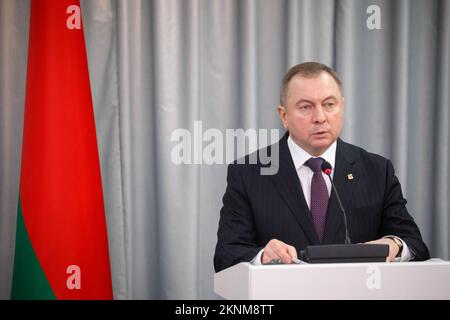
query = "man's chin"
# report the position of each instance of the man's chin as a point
(320, 145)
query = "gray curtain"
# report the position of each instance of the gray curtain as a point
(156, 66)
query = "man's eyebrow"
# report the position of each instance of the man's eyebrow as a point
(310, 101)
(330, 97)
(303, 100)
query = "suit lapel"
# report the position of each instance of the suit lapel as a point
(345, 179)
(288, 185)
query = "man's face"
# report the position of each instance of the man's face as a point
(313, 112)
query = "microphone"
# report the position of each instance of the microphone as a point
(347, 252)
(326, 168)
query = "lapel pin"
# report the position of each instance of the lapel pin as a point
(350, 176)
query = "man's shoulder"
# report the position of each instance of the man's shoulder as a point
(262, 162)
(359, 153)
(254, 160)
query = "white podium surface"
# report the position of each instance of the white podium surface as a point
(398, 280)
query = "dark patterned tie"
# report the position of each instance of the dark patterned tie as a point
(319, 196)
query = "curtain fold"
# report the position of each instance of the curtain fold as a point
(14, 25)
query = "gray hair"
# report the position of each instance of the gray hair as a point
(307, 70)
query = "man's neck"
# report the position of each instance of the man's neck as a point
(300, 155)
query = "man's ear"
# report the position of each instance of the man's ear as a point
(282, 113)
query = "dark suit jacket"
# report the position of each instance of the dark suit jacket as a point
(258, 208)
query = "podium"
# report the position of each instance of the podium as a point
(336, 281)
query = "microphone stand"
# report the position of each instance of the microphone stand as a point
(347, 252)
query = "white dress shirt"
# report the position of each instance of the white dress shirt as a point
(305, 174)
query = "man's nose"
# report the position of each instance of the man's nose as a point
(318, 115)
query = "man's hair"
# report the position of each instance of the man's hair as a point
(307, 70)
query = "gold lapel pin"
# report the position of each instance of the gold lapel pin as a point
(350, 176)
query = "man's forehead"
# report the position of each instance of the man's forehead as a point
(314, 87)
(322, 78)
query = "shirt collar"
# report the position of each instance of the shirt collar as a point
(300, 156)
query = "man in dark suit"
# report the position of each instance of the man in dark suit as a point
(273, 217)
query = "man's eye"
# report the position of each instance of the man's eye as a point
(305, 107)
(329, 105)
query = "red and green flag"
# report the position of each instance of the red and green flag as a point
(61, 242)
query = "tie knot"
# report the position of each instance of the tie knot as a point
(314, 164)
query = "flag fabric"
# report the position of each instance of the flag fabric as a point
(61, 241)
